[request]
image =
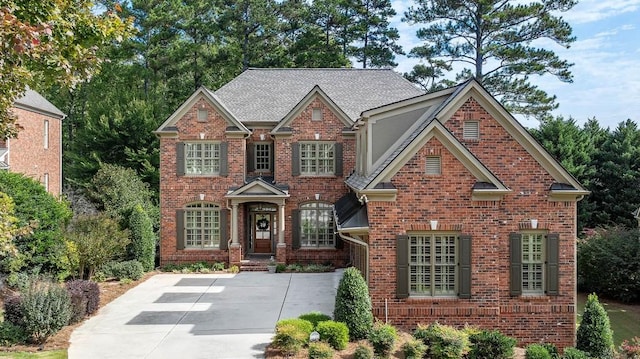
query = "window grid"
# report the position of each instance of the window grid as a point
(263, 157)
(532, 263)
(317, 227)
(202, 226)
(433, 264)
(202, 158)
(317, 158)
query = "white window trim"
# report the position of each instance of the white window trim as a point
(189, 170)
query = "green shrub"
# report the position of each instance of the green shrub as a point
(291, 336)
(573, 353)
(594, 334)
(491, 344)
(124, 270)
(13, 310)
(320, 350)
(334, 333)
(11, 334)
(353, 304)
(383, 337)
(46, 308)
(315, 317)
(443, 341)
(281, 267)
(414, 349)
(18, 280)
(537, 351)
(217, 266)
(143, 241)
(85, 298)
(615, 247)
(552, 349)
(363, 352)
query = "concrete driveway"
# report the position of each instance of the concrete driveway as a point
(202, 315)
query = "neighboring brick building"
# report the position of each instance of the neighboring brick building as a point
(37, 151)
(448, 206)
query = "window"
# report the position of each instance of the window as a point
(46, 134)
(534, 259)
(202, 225)
(471, 130)
(432, 264)
(202, 115)
(202, 158)
(317, 227)
(317, 158)
(316, 114)
(433, 166)
(263, 157)
(45, 182)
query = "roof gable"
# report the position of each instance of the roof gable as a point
(258, 188)
(33, 101)
(214, 101)
(315, 92)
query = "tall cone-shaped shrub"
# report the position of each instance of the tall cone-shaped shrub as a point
(594, 334)
(353, 304)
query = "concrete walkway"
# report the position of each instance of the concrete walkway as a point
(201, 315)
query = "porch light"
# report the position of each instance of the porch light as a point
(202, 196)
(317, 196)
(434, 225)
(262, 137)
(534, 224)
(317, 136)
(202, 135)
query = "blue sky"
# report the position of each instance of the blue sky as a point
(606, 57)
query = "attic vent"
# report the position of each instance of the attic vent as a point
(471, 130)
(433, 165)
(202, 115)
(316, 115)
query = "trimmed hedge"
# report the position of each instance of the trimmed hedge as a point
(320, 350)
(363, 352)
(573, 353)
(414, 349)
(383, 338)
(315, 317)
(132, 270)
(353, 304)
(491, 344)
(537, 351)
(594, 334)
(334, 333)
(292, 335)
(443, 341)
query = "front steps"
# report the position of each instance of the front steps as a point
(255, 263)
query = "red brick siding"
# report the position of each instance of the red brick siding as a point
(447, 198)
(27, 154)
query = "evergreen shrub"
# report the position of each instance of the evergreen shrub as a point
(334, 333)
(315, 317)
(491, 344)
(291, 336)
(594, 334)
(320, 350)
(443, 341)
(573, 353)
(353, 304)
(414, 349)
(383, 338)
(132, 270)
(363, 351)
(537, 351)
(46, 308)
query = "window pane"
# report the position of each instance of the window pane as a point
(317, 227)
(202, 158)
(432, 264)
(202, 225)
(532, 263)
(317, 158)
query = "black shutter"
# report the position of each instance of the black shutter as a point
(552, 277)
(224, 232)
(464, 274)
(224, 159)
(337, 151)
(251, 152)
(515, 257)
(180, 229)
(402, 266)
(180, 158)
(295, 229)
(272, 150)
(295, 159)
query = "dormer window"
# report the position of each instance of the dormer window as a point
(316, 114)
(471, 130)
(434, 167)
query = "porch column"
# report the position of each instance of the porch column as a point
(281, 230)
(234, 224)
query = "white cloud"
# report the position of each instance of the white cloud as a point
(587, 11)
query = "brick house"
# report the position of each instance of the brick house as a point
(37, 151)
(448, 206)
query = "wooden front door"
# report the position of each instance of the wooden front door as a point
(262, 232)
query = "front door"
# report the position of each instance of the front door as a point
(262, 232)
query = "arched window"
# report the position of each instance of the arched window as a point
(201, 225)
(316, 225)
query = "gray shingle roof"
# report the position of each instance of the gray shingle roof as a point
(269, 94)
(33, 101)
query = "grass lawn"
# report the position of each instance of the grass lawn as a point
(56, 354)
(624, 317)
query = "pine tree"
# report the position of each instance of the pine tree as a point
(496, 33)
(376, 38)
